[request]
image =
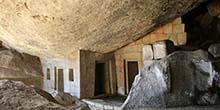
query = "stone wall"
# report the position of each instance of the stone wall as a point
(73, 62)
(87, 74)
(173, 31)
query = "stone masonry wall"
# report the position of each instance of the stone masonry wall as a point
(174, 31)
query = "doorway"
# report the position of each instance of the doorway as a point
(131, 72)
(60, 80)
(100, 70)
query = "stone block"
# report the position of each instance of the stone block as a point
(138, 42)
(173, 38)
(159, 50)
(168, 29)
(177, 21)
(182, 38)
(178, 28)
(147, 39)
(148, 52)
(158, 30)
(153, 38)
(161, 37)
(162, 49)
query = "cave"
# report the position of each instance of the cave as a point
(110, 55)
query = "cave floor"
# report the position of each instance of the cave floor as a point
(109, 103)
(115, 103)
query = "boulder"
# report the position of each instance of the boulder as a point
(15, 95)
(208, 99)
(214, 50)
(149, 87)
(171, 81)
(72, 102)
(217, 80)
(65, 99)
(204, 75)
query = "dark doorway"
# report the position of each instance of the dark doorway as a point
(132, 71)
(99, 79)
(60, 81)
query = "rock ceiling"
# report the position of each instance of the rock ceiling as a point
(58, 28)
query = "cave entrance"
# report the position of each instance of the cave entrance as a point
(131, 72)
(100, 71)
(60, 81)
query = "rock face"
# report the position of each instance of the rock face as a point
(214, 8)
(20, 66)
(214, 49)
(58, 28)
(17, 96)
(172, 81)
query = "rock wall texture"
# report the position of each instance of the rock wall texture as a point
(20, 66)
(202, 25)
(57, 28)
(16, 95)
(180, 79)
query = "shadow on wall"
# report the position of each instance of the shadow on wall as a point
(203, 25)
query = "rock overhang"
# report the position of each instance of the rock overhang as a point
(53, 28)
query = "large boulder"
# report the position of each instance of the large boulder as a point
(15, 95)
(171, 81)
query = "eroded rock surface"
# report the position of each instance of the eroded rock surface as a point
(20, 66)
(214, 49)
(71, 102)
(18, 96)
(15, 95)
(176, 80)
(59, 27)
